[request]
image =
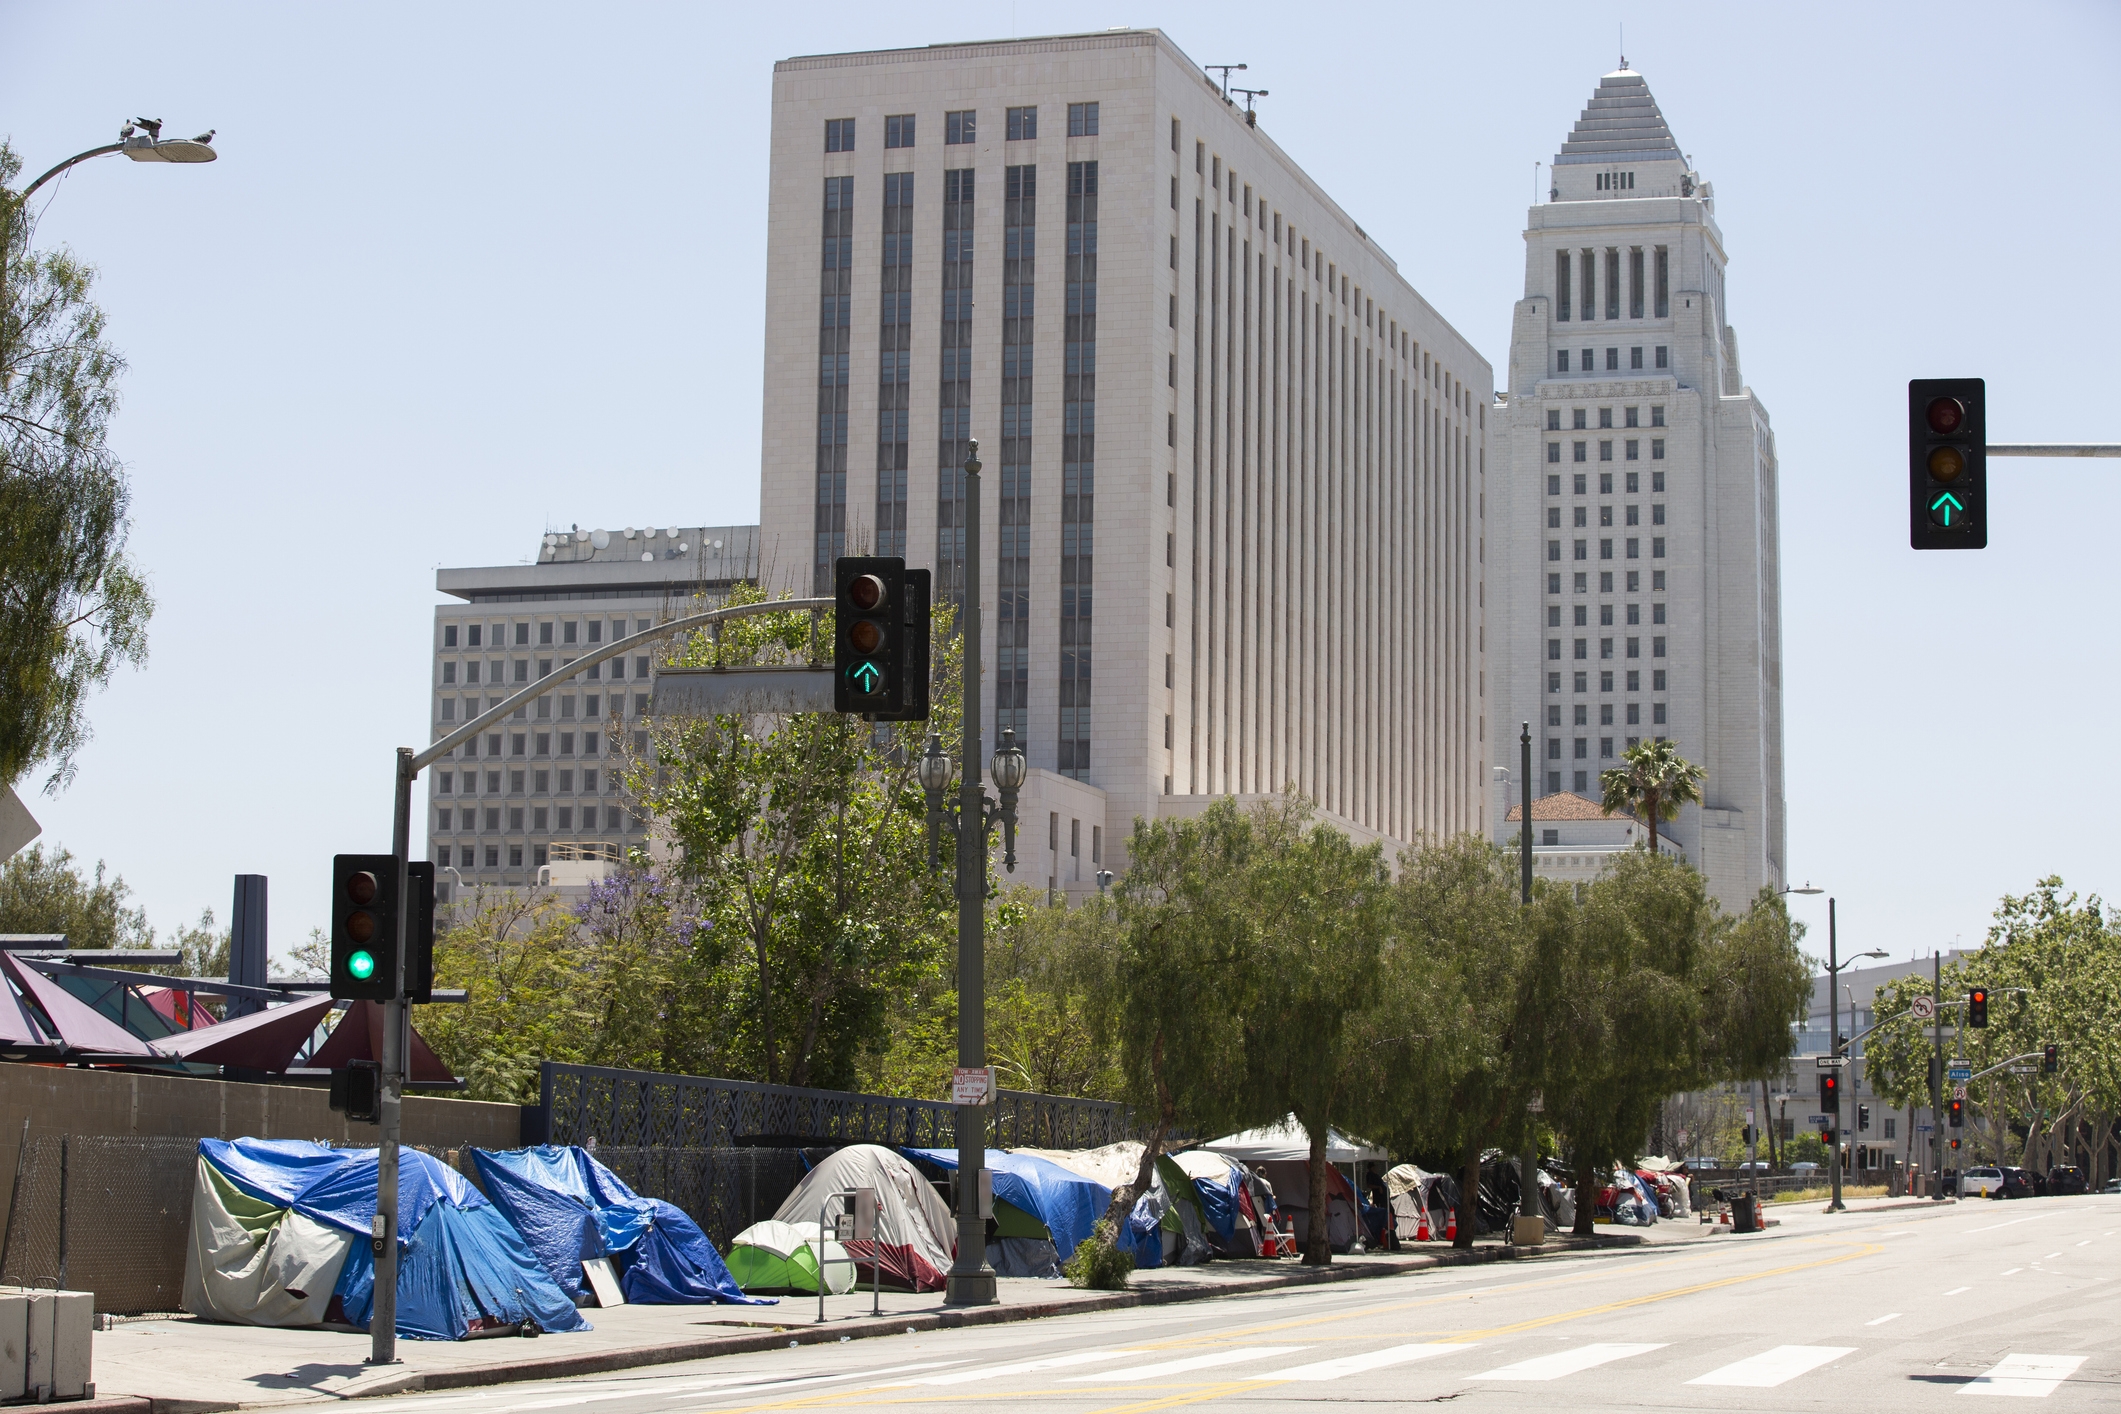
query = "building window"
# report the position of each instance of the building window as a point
(1581, 451)
(1657, 711)
(1612, 360)
(1656, 416)
(1579, 491)
(1605, 451)
(1553, 549)
(1634, 648)
(1553, 748)
(1634, 680)
(1577, 422)
(1553, 782)
(1583, 549)
(1605, 748)
(1656, 613)
(1583, 748)
(1634, 715)
(1082, 120)
(1561, 361)
(1583, 714)
(449, 635)
(1553, 512)
(839, 134)
(1605, 648)
(1634, 450)
(1605, 549)
(894, 360)
(1582, 683)
(1657, 648)
(449, 673)
(1634, 545)
(1582, 615)
(1657, 514)
(1022, 125)
(1550, 837)
(1554, 649)
(493, 856)
(1587, 294)
(1554, 459)
(1657, 482)
(1553, 616)
(835, 311)
(1635, 282)
(1657, 683)
(1634, 358)
(1663, 359)
(898, 130)
(1612, 292)
(1657, 449)
(1583, 648)
(960, 127)
(1891, 1127)
(1561, 287)
(1657, 547)
(567, 631)
(1662, 264)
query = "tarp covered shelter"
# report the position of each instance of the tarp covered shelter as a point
(280, 1236)
(569, 1207)
(917, 1241)
(1042, 1211)
(1288, 1141)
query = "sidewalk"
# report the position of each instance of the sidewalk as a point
(181, 1365)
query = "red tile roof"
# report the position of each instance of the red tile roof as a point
(1566, 805)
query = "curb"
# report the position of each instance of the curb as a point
(675, 1352)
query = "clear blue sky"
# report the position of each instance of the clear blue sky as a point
(465, 271)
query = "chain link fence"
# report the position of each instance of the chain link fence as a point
(102, 1213)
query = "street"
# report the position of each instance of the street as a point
(1889, 1310)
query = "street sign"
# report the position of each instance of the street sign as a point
(2025, 1070)
(1922, 1008)
(972, 1085)
(1815, 1121)
(1958, 1092)
(1830, 1062)
(1924, 1128)
(1960, 1072)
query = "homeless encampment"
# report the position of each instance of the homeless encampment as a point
(568, 1208)
(1283, 1153)
(280, 1237)
(1041, 1209)
(916, 1237)
(1166, 1224)
(787, 1257)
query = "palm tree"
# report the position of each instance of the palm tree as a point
(1653, 784)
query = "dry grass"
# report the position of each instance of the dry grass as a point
(1824, 1192)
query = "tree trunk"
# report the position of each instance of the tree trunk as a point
(1318, 1238)
(1649, 809)
(1123, 1197)
(1586, 1199)
(1468, 1195)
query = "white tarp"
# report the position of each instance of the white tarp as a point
(1113, 1165)
(1288, 1141)
(254, 1264)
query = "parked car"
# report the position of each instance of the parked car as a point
(2113, 1185)
(2016, 1183)
(1703, 1163)
(1979, 1182)
(1755, 1166)
(1804, 1166)
(2066, 1178)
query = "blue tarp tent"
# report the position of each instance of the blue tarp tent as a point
(570, 1207)
(461, 1267)
(1068, 1204)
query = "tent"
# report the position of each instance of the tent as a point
(1042, 1210)
(568, 1206)
(918, 1240)
(778, 1256)
(1287, 1141)
(1154, 1229)
(279, 1236)
(1225, 1198)
(1282, 1152)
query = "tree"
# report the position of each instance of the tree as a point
(72, 606)
(1653, 784)
(1042, 962)
(523, 966)
(204, 946)
(46, 893)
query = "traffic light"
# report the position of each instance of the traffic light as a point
(880, 638)
(1746, 1136)
(1826, 1137)
(1977, 1006)
(1955, 1144)
(420, 920)
(1947, 454)
(357, 1091)
(1956, 1109)
(2052, 1061)
(1863, 1119)
(1830, 1092)
(364, 926)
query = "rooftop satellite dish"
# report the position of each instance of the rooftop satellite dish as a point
(649, 532)
(717, 544)
(627, 532)
(600, 539)
(683, 548)
(580, 534)
(647, 555)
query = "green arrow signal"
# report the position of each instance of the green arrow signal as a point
(1943, 506)
(867, 676)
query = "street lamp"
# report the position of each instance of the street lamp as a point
(1833, 1028)
(141, 146)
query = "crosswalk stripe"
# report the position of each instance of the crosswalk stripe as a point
(1191, 1362)
(1565, 1362)
(1894, 1316)
(1773, 1367)
(1375, 1360)
(2034, 1376)
(1022, 1367)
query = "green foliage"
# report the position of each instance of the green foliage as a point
(72, 606)
(1043, 964)
(1098, 1262)
(1655, 781)
(45, 893)
(204, 946)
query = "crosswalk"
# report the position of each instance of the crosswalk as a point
(2020, 1374)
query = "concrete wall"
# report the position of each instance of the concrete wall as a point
(58, 1100)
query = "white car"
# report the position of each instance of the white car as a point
(1977, 1183)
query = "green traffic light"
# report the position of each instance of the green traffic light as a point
(362, 965)
(868, 677)
(1944, 508)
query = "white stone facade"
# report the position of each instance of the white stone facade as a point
(1229, 427)
(1635, 584)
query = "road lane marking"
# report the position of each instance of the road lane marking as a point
(2036, 1217)
(1566, 1362)
(1021, 1367)
(2050, 1256)
(2031, 1376)
(1773, 1367)
(1957, 1290)
(1374, 1360)
(1190, 1362)
(2085, 1243)
(748, 1385)
(1883, 1319)
(2014, 1271)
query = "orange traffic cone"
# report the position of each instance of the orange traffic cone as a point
(1450, 1232)
(1421, 1230)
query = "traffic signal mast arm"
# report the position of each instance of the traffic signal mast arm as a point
(1999, 1065)
(2055, 449)
(613, 649)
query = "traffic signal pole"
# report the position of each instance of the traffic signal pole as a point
(1937, 1077)
(1833, 1042)
(1528, 1199)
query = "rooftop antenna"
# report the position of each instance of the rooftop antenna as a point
(1623, 44)
(1251, 118)
(1224, 70)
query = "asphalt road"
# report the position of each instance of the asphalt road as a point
(1895, 1310)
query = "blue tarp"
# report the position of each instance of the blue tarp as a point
(1218, 1199)
(1068, 1204)
(568, 1207)
(461, 1267)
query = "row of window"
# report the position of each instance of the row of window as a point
(1581, 452)
(1578, 417)
(1581, 548)
(540, 782)
(961, 126)
(1605, 615)
(471, 819)
(1588, 363)
(1605, 648)
(568, 630)
(1633, 485)
(494, 668)
(540, 744)
(541, 708)
(1605, 681)
(1605, 582)
(1605, 714)
(1632, 512)
(466, 856)
(1586, 265)
(1582, 745)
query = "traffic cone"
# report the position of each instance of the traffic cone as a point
(1450, 1232)
(1421, 1230)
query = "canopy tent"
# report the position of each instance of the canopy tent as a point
(1289, 1142)
(784, 1257)
(280, 1237)
(568, 1207)
(917, 1239)
(1049, 1209)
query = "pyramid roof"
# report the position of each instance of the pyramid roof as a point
(1621, 123)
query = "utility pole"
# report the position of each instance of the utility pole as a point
(1833, 1044)
(1529, 1207)
(383, 1235)
(1937, 1077)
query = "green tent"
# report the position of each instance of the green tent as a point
(777, 1257)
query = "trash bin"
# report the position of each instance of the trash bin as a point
(1745, 1213)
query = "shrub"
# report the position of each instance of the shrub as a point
(1098, 1263)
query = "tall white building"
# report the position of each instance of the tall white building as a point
(1232, 457)
(1634, 580)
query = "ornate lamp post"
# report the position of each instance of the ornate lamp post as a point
(968, 820)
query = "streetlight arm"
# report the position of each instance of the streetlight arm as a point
(75, 160)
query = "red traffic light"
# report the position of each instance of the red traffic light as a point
(865, 592)
(1945, 415)
(867, 636)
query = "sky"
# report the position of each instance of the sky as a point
(465, 272)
